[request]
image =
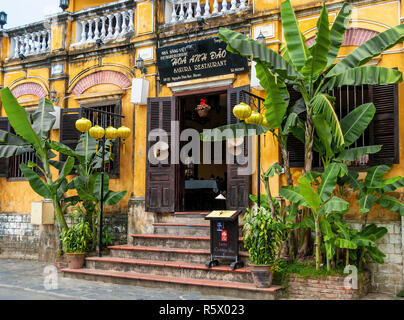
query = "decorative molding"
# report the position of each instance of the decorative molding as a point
(196, 84)
(29, 88)
(99, 96)
(101, 77)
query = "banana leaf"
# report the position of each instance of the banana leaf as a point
(337, 32)
(294, 41)
(324, 133)
(112, 198)
(328, 181)
(355, 123)
(324, 104)
(376, 254)
(240, 44)
(391, 203)
(356, 153)
(19, 121)
(345, 244)
(364, 75)
(292, 194)
(311, 198)
(36, 182)
(7, 151)
(316, 63)
(371, 48)
(366, 203)
(375, 175)
(335, 204)
(43, 120)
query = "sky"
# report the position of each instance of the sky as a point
(21, 12)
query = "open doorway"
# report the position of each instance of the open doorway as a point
(201, 183)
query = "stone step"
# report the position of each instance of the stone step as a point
(170, 268)
(184, 229)
(204, 286)
(185, 218)
(174, 241)
(168, 254)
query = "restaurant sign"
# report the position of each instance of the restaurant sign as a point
(197, 59)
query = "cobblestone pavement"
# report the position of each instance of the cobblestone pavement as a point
(25, 280)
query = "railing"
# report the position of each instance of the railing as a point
(30, 43)
(190, 10)
(108, 27)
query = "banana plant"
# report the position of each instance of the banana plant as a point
(316, 193)
(313, 69)
(32, 135)
(373, 188)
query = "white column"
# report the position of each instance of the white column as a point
(103, 29)
(110, 29)
(215, 7)
(181, 18)
(117, 23)
(124, 25)
(83, 31)
(243, 4)
(173, 13)
(206, 14)
(16, 41)
(90, 31)
(26, 45)
(224, 6)
(37, 42)
(233, 5)
(96, 32)
(32, 43)
(190, 13)
(131, 25)
(198, 9)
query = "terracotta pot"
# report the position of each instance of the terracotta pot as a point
(203, 113)
(262, 275)
(75, 260)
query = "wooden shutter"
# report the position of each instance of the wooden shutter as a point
(4, 125)
(69, 135)
(384, 127)
(238, 186)
(160, 178)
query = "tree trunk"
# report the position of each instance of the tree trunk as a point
(308, 147)
(269, 197)
(286, 166)
(59, 214)
(317, 243)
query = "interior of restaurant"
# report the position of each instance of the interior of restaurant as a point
(203, 183)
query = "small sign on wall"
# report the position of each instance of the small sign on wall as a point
(140, 91)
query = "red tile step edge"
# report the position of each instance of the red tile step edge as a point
(167, 224)
(168, 237)
(167, 279)
(174, 250)
(171, 264)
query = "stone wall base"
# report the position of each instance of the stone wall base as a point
(330, 288)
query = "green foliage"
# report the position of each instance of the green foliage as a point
(78, 238)
(262, 236)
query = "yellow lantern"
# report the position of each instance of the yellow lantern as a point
(242, 111)
(265, 122)
(111, 133)
(255, 118)
(83, 125)
(124, 133)
(97, 132)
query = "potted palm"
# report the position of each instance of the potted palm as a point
(76, 242)
(262, 240)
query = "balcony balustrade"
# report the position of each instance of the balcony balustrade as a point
(30, 44)
(182, 11)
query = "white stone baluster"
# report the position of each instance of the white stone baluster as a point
(131, 16)
(215, 7)
(233, 5)
(96, 30)
(26, 45)
(48, 44)
(103, 29)
(224, 6)
(83, 32)
(124, 24)
(110, 29)
(16, 46)
(31, 43)
(243, 4)
(43, 43)
(90, 31)
(37, 42)
(181, 18)
(117, 23)
(206, 14)
(198, 9)
(189, 12)
(173, 13)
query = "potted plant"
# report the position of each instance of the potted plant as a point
(203, 108)
(262, 240)
(76, 242)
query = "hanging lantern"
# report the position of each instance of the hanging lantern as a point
(97, 132)
(111, 133)
(254, 118)
(83, 125)
(124, 133)
(242, 111)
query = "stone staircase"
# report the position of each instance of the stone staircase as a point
(174, 257)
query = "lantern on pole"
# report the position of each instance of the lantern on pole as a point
(111, 133)
(83, 125)
(124, 133)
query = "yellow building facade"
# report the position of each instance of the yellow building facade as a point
(86, 56)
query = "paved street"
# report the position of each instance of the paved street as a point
(27, 280)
